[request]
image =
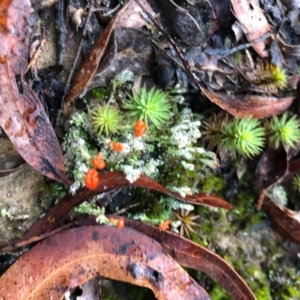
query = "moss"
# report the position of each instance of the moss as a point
(215, 291)
(218, 293)
(97, 93)
(139, 293)
(51, 193)
(258, 282)
(212, 184)
(108, 294)
(160, 210)
(285, 281)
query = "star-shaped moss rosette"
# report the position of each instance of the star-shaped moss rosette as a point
(212, 132)
(186, 222)
(283, 131)
(105, 120)
(244, 136)
(269, 78)
(150, 106)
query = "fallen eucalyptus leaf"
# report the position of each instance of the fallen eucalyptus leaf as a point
(72, 257)
(284, 221)
(126, 16)
(22, 116)
(241, 106)
(109, 181)
(253, 21)
(192, 255)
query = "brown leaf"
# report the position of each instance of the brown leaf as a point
(273, 168)
(253, 21)
(72, 257)
(284, 221)
(132, 16)
(126, 16)
(192, 23)
(128, 49)
(293, 50)
(110, 181)
(258, 107)
(88, 69)
(22, 116)
(194, 256)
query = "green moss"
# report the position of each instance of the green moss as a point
(257, 281)
(247, 136)
(161, 210)
(153, 107)
(57, 190)
(139, 293)
(285, 281)
(108, 294)
(218, 293)
(212, 184)
(97, 93)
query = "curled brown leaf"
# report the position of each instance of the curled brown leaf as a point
(284, 221)
(72, 257)
(192, 255)
(22, 116)
(110, 181)
(258, 107)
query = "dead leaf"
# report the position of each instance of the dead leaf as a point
(90, 65)
(271, 166)
(72, 257)
(194, 256)
(131, 17)
(128, 49)
(109, 181)
(23, 118)
(88, 69)
(253, 21)
(274, 167)
(258, 107)
(293, 50)
(284, 221)
(192, 23)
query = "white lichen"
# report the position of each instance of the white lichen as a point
(131, 174)
(188, 166)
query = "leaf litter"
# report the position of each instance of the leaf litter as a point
(211, 71)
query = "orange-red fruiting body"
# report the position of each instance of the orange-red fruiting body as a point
(140, 132)
(118, 147)
(120, 223)
(98, 162)
(139, 128)
(139, 124)
(91, 179)
(163, 226)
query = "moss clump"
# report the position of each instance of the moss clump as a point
(106, 120)
(150, 106)
(247, 136)
(212, 184)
